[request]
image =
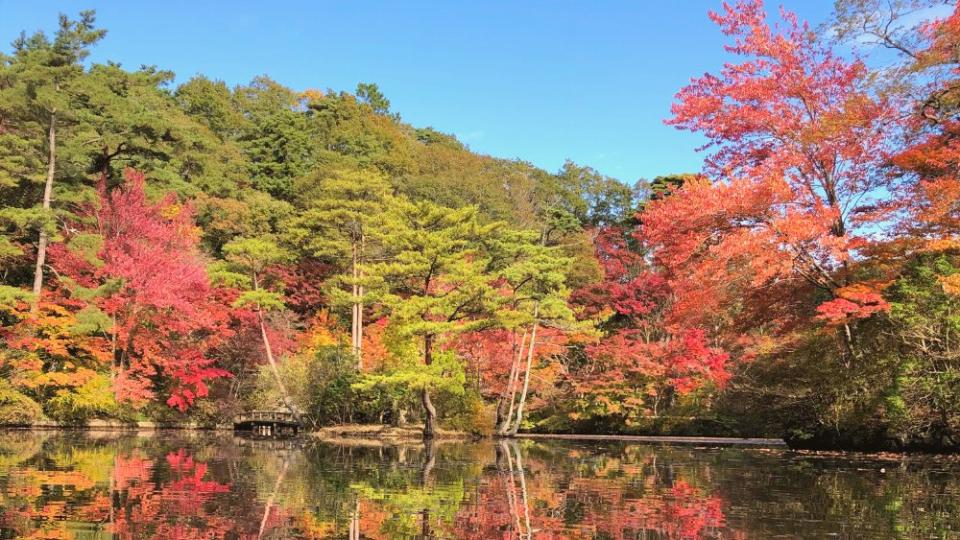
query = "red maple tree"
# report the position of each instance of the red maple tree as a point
(795, 186)
(152, 282)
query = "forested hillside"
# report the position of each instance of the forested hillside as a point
(185, 251)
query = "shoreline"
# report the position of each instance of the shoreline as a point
(375, 434)
(755, 442)
(104, 425)
(379, 435)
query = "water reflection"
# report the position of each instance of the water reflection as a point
(186, 486)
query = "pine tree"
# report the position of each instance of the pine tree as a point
(437, 285)
(43, 75)
(248, 260)
(342, 210)
(533, 277)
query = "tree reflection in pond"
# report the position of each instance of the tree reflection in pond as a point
(186, 486)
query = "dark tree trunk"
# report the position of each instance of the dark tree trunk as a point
(429, 414)
(501, 415)
(429, 411)
(428, 349)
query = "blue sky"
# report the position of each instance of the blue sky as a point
(543, 81)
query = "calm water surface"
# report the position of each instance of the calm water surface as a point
(176, 486)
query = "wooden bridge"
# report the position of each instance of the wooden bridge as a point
(267, 423)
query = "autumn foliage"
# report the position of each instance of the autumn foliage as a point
(202, 250)
(133, 277)
(165, 319)
(820, 194)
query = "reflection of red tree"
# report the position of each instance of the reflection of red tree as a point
(487, 514)
(594, 502)
(371, 519)
(176, 509)
(173, 498)
(190, 475)
(690, 514)
(185, 507)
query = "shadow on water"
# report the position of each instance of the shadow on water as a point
(204, 485)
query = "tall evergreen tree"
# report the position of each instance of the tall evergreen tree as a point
(341, 210)
(436, 279)
(44, 74)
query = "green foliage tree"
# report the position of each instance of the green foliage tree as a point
(278, 140)
(436, 282)
(341, 213)
(213, 104)
(247, 261)
(923, 396)
(39, 98)
(17, 409)
(370, 94)
(591, 198)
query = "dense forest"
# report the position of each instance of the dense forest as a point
(184, 252)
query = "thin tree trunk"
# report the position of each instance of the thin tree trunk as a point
(354, 326)
(271, 360)
(526, 375)
(359, 349)
(360, 306)
(512, 385)
(113, 347)
(848, 341)
(273, 495)
(47, 196)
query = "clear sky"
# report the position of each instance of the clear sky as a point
(543, 81)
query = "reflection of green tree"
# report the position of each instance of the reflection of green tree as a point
(398, 481)
(17, 447)
(41, 474)
(96, 463)
(429, 498)
(407, 508)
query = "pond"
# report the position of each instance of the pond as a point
(202, 485)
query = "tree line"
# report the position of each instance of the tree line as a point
(187, 251)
